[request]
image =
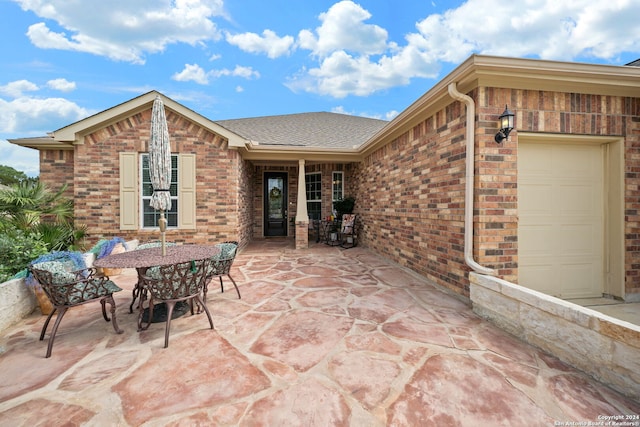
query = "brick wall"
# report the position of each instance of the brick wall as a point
(246, 191)
(56, 169)
(411, 191)
(555, 113)
(410, 196)
(219, 174)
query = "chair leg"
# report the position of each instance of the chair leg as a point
(61, 313)
(109, 299)
(135, 292)
(206, 288)
(234, 284)
(46, 323)
(206, 309)
(221, 285)
(170, 305)
(141, 315)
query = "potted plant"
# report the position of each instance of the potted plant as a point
(344, 206)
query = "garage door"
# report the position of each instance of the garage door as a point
(560, 226)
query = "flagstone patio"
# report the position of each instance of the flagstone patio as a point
(321, 337)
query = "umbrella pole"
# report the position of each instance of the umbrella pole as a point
(162, 222)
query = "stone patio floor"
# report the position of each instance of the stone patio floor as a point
(321, 337)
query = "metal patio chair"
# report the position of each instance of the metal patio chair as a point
(66, 289)
(170, 284)
(221, 266)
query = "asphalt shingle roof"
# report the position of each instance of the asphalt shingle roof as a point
(325, 130)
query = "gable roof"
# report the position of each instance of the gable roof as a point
(73, 134)
(327, 130)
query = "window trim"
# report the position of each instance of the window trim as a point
(319, 199)
(333, 190)
(175, 200)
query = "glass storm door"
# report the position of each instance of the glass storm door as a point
(275, 204)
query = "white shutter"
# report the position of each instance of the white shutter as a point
(187, 191)
(129, 191)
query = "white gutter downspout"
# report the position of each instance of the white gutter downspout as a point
(468, 196)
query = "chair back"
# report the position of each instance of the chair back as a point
(222, 262)
(154, 244)
(348, 223)
(176, 281)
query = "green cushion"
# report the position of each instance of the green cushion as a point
(153, 245)
(60, 271)
(227, 250)
(78, 294)
(153, 272)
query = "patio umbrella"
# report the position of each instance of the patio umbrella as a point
(160, 165)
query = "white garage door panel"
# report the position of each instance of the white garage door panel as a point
(537, 238)
(560, 229)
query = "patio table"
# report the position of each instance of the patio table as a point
(327, 227)
(143, 259)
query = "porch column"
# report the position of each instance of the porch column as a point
(302, 217)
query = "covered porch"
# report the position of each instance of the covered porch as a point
(321, 336)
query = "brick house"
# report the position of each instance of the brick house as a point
(555, 207)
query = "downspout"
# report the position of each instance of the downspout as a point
(469, 190)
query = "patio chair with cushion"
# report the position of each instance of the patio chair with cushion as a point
(221, 266)
(348, 231)
(135, 292)
(170, 284)
(66, 289)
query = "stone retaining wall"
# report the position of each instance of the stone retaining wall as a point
(602, 346)
(16, 302)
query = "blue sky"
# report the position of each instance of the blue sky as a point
(64, 60)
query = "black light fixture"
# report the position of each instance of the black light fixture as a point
(506, 125)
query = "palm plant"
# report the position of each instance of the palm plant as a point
(29, 211)
(26, 204)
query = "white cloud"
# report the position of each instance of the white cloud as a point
(269, 43)
(63, 85)
(551, 30)
(15, 89)
(192, 72)
(343, 28)
(195, 73)
(123, 31)
(38, 115)
(356, 58)
(22, 159)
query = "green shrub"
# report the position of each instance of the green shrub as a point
(17, 250)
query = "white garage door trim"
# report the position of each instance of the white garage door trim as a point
(560, 269)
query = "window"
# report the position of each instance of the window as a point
(150, 215)
(131, 188)
(337, 186)
(314, 195)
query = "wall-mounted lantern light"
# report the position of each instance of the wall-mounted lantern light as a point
(506, 125)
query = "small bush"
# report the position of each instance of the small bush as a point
(17, 249)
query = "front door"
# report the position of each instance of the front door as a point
(275, 204)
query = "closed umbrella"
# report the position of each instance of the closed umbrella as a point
(160, 165)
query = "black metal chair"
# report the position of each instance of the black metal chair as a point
(170, 284)
(66, 289)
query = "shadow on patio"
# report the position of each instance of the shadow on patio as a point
(321, 337)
